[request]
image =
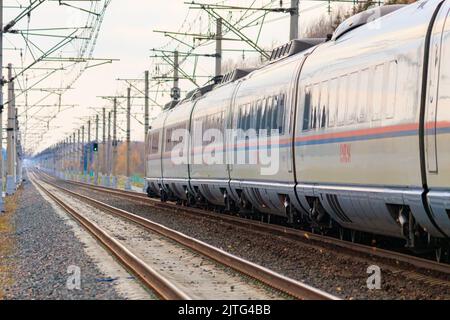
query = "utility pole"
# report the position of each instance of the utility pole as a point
(114, 145)
(128, 182)
(74, 155)
(61, 159)
(54, 160)
(108, 151)
(146, 127)
(104, 149)
(97, 159)
(78, 156)
(175, 94)
(66, 157)
(10, 178)
(2, 203)
(89, 153)
(294, 20)
(218, 47)
(82, 154)
(17, 147)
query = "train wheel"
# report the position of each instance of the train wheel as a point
(191, 200)
(163, 196)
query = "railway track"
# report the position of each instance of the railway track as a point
(155, 281)
(290, 233)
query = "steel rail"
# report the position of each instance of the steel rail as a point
(149, 277)
(290, 233)
(268, 277)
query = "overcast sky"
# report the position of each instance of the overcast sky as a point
(127, 34)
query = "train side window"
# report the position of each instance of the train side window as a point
(363, 92)
(353, 88)
(391, 90)
(263, 114)
(251, 118)
(316, 104)
(205, 123)
(377, 91)
(274, 122)
(212, 120)
(218, 121)
(307, 109)
(155, 143)
(269, 111)
(239, 118)
(168, 139)
(333, 102)
(150, 142)
(250, 122)
(258, 116)
(244, 117)
(342, 107)
(281, 114)
(324, 97)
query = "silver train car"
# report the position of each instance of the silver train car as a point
(363, 126)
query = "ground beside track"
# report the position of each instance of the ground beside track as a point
(41, 250)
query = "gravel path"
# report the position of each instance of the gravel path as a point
(326, 268)
(48, 254)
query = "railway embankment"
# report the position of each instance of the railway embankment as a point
(46, 255)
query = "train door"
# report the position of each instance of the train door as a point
(435, 59)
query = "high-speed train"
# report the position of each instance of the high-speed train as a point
(362, 121)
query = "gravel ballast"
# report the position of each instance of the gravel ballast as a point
(328, 269)
(49, 250)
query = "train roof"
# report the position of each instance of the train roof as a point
(363, 18)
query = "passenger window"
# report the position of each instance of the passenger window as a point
(155, 143)
(244, 118)
(324, 104)
(168, 139)
(274, 122)
(150, 142)
(307, 109)
(342, 107)
(205, 123)
(249, 116)
(263, 114)
(353, 89)
(281, 112)
(391, 90)
(378, 92)
(252, 118)
(316, 106)
(363, 98)
(269, 109)
(239, 118)
(333, 98)
(258, 115)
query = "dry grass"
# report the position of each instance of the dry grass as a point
(7, 244)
